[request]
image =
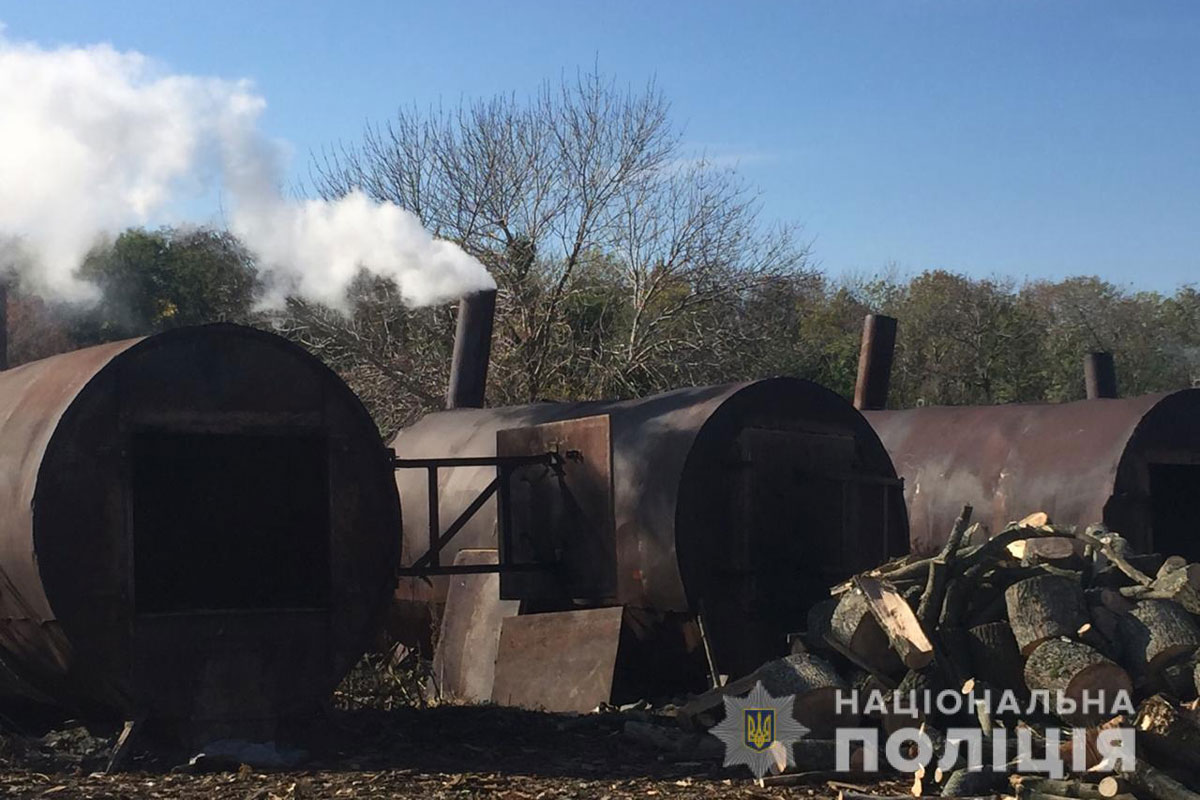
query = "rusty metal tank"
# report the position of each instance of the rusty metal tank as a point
(744, 501)
(1131, 463)
(196, 527)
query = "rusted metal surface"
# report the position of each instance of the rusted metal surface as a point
(464, 663)
(1125, 462)
(430, 561)
(1099, 376)
(875, 362)
(563, 661)
(130, 586)
(564, 515)
(472, 350)
(680, 508)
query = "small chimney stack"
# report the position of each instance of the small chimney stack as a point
(875, 362)
(1099, 376)
(472, 350)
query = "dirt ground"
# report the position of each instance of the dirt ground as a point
(439, 752)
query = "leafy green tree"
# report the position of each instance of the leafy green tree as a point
(154, 280)
(962, 341)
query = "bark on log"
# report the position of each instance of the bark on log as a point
(1158, 784)
(921, 688)
(1108, 624)
(973, 783)
(988, 609)
(1061, 788)
(812, 681)
(1089, 746)
(1044, 607)
(902, 628)
(1170, 735)
(1037, 551)
(1155, 633)
(1076, 670)
(995, 657)
(1181, 585)
(855, 628)
(996, 547)
(1179, 678)
(1111, 599)
(1090, 635)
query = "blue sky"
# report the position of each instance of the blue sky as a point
(1028, 139)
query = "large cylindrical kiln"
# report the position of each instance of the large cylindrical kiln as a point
(1131, 463)
(744, 501)
(197, 527)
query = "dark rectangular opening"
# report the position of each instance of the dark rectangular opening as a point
(224, 522)
(1175, 514)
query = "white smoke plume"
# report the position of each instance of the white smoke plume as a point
(93, 140)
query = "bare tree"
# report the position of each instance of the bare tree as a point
(619, 260)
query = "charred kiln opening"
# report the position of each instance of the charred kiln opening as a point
(226, 522)
(201, 532)
(1175, 513)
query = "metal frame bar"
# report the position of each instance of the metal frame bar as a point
(430, 562)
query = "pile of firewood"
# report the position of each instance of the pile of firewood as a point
(1036, 610)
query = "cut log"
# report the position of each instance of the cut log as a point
(1044, 607)
(985, 608)
(1179, 678)
(1059, 788)
(1090, 737)
(1111, 786)
(1035, 551)
(917, 690)
(995, 657)
(854, 626)
(1157, 784)
(1111, 599)
(1155, 633)
(1180, 585)
(899, 623)
(814, 683)
(1170, 735)
(1107, 624)
(1038, 519)
(973, 783)
(1078, 671)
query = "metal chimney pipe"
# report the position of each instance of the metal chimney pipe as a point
(1099, 376)
(472, 350)
(875, 362)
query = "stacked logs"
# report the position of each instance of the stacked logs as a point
(1035, 608)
